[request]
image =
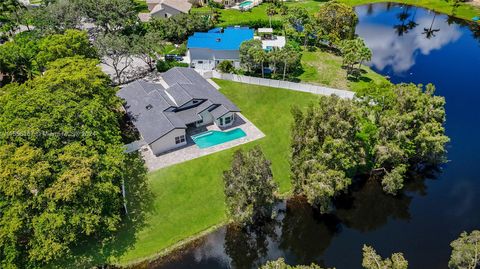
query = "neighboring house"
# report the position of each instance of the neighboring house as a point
(269, 40)
(167, 8)
(206, 50)
(163, 112)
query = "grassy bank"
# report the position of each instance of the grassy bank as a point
(236, 17)
(324, 68)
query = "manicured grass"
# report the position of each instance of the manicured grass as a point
(189, 196)
(324, 68)
(464, 11)
(236, 17)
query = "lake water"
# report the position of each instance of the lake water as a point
(409, 45)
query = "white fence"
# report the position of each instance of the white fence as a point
(301, 87)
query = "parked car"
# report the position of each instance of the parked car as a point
(173, 57)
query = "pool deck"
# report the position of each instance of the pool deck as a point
(192, 151)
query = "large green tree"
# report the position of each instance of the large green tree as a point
(62, 163)
(337, 20)
(387, 131)
(178, 28)
(371, 260)
(465, 251)
(249, 187)
(68, 44)
(325, 151)
(27, 54)
(109, 16)
(57, 16)
(354, 51)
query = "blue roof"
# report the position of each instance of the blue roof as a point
(230, 39)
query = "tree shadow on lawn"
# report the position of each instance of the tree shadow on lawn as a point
(98, 250)
(357, 75)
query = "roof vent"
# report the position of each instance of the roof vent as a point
(149, 106)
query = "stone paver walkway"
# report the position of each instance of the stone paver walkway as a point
(192, 151)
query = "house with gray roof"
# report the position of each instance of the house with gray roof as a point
(163, 112)
(167, 8)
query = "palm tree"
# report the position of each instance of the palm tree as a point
(429, 32)
(260, 56)
(271, 10)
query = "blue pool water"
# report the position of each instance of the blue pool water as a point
(245, 3)
(212, 138)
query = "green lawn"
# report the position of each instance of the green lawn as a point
(236, 17)
(189, 196)
(324, 68)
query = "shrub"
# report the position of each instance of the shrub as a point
(163, 66)
(226, 67)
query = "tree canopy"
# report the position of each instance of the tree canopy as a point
(28, 54)
(61, 163)
(337, 21)
(371, 260)
(465, 251)
(249, 187)
(388, 130)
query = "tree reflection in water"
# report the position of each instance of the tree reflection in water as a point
(248, 247)
(306, 234)
(369, 208)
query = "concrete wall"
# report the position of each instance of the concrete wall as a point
(167, 142)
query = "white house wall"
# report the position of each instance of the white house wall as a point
(167, 142)
(207, 118)
(207, 59)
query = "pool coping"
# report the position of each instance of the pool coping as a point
(192, 151)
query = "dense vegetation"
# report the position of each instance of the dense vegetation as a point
(249, 188)
(63, 170)
(466, 251)
(387, 131)
(371, 260)
(27, 55)
(61, 163)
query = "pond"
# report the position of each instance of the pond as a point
(409, 44)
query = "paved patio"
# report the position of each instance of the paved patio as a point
(192, 151)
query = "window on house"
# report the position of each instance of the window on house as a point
(200, 121)
(228, 120)
(180, 139)
(200, 62)
(166, 16)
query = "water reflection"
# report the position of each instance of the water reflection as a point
(396, 47)
(305, 233)
(247, 247)
(369, 207)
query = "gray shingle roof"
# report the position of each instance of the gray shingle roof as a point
(154, 113)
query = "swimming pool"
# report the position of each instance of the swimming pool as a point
(212, 138)
(245, 4)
